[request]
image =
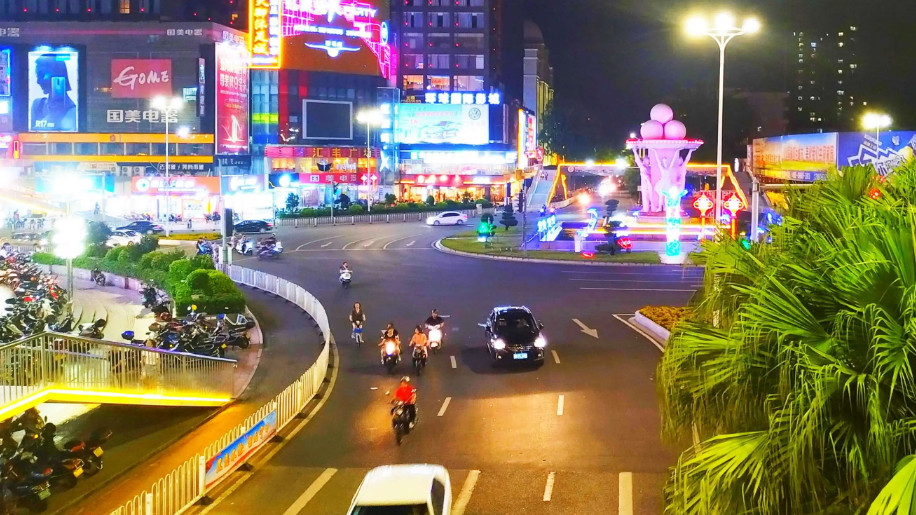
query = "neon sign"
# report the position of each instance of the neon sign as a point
(673, 221)
(462, 97)
(264, 34)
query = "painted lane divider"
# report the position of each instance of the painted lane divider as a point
(464, 497)
(326, 244)
(548, 488)
(625, 494)
(454, 363)
(444, 406)
(556, 358)
(560, 403)
(411, 243)
(310, 492)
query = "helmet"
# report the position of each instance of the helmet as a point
(405, 379)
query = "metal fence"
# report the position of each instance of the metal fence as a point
(188, 483)
(370, 218)
(59, 364)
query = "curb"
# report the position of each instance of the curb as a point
(445, 250)
(658, 332)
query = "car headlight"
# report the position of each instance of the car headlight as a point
(540, 342)
(499, 344)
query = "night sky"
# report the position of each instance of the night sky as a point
(621, 56)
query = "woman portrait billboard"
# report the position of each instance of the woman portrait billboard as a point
(53, 91)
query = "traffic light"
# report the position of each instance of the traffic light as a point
(228, 226)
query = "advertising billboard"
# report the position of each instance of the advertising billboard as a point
(231, 98)
(6, 101)
(323, 119)
(443, 123)
(141, 78)
(343, 36)
(237, 452)
(894, 149)
(799, 157)
(53, 90)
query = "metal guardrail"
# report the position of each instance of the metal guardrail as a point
(188, 483)
(370, 218)
(53, 366)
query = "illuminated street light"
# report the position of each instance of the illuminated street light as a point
(69, 239)
(723, 29)
(169, 108)
(369, 117)
(876, 122)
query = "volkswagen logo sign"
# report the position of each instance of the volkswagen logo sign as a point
(474, 113)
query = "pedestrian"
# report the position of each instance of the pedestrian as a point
(189, 222)
(150, 364)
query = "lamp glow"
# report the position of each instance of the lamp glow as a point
(724, 20)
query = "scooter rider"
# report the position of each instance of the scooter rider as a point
(434, 319)
(345, 267)
(357, 316)
(419, 341)
(389, 333)
(407, 394)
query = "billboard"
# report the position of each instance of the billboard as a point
(343, 36)
(443, 123)
(322, 119)
(238, 451)
(53, 90)
(799, 157)
(4, 72)
(894, 149)
(141, 78)
(231, 131)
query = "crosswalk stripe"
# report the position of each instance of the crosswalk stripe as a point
(464, 497)
(625, 494)
(310, 492)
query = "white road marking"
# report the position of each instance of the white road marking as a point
(411, 243)
(556, 358)
(454, 363)
(368, 243)
(640, 331)
(310, 492)
(548, 488)
(464, 497)
(346, 246)
(637, 289)
(316, 241)
(560, 403)
(444, 406)
(625, 494)
(398, 239)
(326, 244)
(625, 272)
(673, 280)
(585, 329)
(365, 250)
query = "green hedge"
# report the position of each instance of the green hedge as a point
(400, 207)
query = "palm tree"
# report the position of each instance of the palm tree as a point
(795, 374)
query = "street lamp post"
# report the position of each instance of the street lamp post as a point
(369, 117)
(723, 29)
(876, 121)
(169, 107)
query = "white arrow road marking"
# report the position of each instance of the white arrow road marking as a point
(397, 240)
(548, 488)
(454, 363)
(560, 403)
(464, 497)
(411, 243)
(556, 358)
(444, 406)
(368, 243)
(585, 329)
(326, 244)
(315, 241)
(625, 494)
(310, 492)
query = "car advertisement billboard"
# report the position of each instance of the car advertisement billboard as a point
(342, 36)
(231, 98)
(894, 149)
(443, 123)
(53, 90)
(6, 102)
(799, 157)
(141, 78)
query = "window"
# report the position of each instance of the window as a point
(469, 61)
(62, 149)
(124, 6)
(469, 3)
(469, 42)
(438, 61)
(468, 83)
(413, 82)
(412, 61)
(415, 3)
(440, 3)
(438, 20)
(413, 41)
(413, 19)
(137, 149)
(469, 20)
(440, 41)
(438, 83)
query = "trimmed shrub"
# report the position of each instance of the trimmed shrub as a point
(356, 209)
(46, 258)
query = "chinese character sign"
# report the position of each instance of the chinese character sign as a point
(264, 33)
(231, 131)
(141, 78)
(53, 91)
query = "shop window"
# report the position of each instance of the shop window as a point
(438, 61)
(413, 19)
(469, 42)
(34, 149)
(137, 149)
(439, 83)
(412, 61)
(62, 149)
(112, 149)
(469, 83)
(438, 20)
(469, 20)
(413, 82)
(86, 149)
(413, 41)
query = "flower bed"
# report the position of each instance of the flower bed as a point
(665, 316)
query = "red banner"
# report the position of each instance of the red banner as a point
(141, 78)
(317, 152)
(231, 98)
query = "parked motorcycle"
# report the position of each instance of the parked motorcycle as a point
(90, 451)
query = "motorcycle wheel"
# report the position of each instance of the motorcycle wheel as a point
(391, 365)
(418, 366)
(244, 342)
(92, 466)
(398, 433)
(69, 481)
(38, 506)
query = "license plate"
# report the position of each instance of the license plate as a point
(44, 494)
(97, 451)
(520, 355)
(78, 472)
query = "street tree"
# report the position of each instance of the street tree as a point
(292, 202)
(796, 369)
(508, 218)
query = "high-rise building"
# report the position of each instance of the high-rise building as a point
(827, 89)
(538, 74)
(231, 13)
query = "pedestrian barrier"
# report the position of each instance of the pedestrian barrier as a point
(190, 482)
(347, 219)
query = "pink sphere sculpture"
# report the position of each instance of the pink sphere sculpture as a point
(661, 113)
(652, 129)
(675, 130)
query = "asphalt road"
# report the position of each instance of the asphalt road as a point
(586, 423)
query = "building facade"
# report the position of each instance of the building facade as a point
(538, 73)
(230, 13)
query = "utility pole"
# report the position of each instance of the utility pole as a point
(521, 204)
(333, 193)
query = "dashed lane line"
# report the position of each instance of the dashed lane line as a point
(454, 362)
(328, 244)
(368, 243)
(625, 494)
(444, 406)
(411, 243)
(464, 497)
(316, 241)
(556, 358)
(548, 488)
(400, 239)
(560, 401)
(310, 492)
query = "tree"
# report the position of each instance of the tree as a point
(292, 202)
(508, 218)
(98, 233)
(344, 200)
(430, 200)
(632, 180)
(796, 367)
(391, 199)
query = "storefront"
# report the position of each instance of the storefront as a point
(310, 172)
(248, 196)
(188, 196)
(416, 188)
(456, 174)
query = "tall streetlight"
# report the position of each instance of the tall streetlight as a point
(876, 122)
(369, 117)
(169, 108)
(723, 29)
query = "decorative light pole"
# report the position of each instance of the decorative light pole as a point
(704, 205)
(169, 108)
(723, 29)
(673, 221)
(733, 204)
(369, 117)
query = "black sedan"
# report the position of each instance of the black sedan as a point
(513, 335)
(142, 227)
(253, 226)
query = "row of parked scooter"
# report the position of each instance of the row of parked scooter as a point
(38, 303)
(33, 466)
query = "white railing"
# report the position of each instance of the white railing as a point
(191, 481)
(344, 218)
